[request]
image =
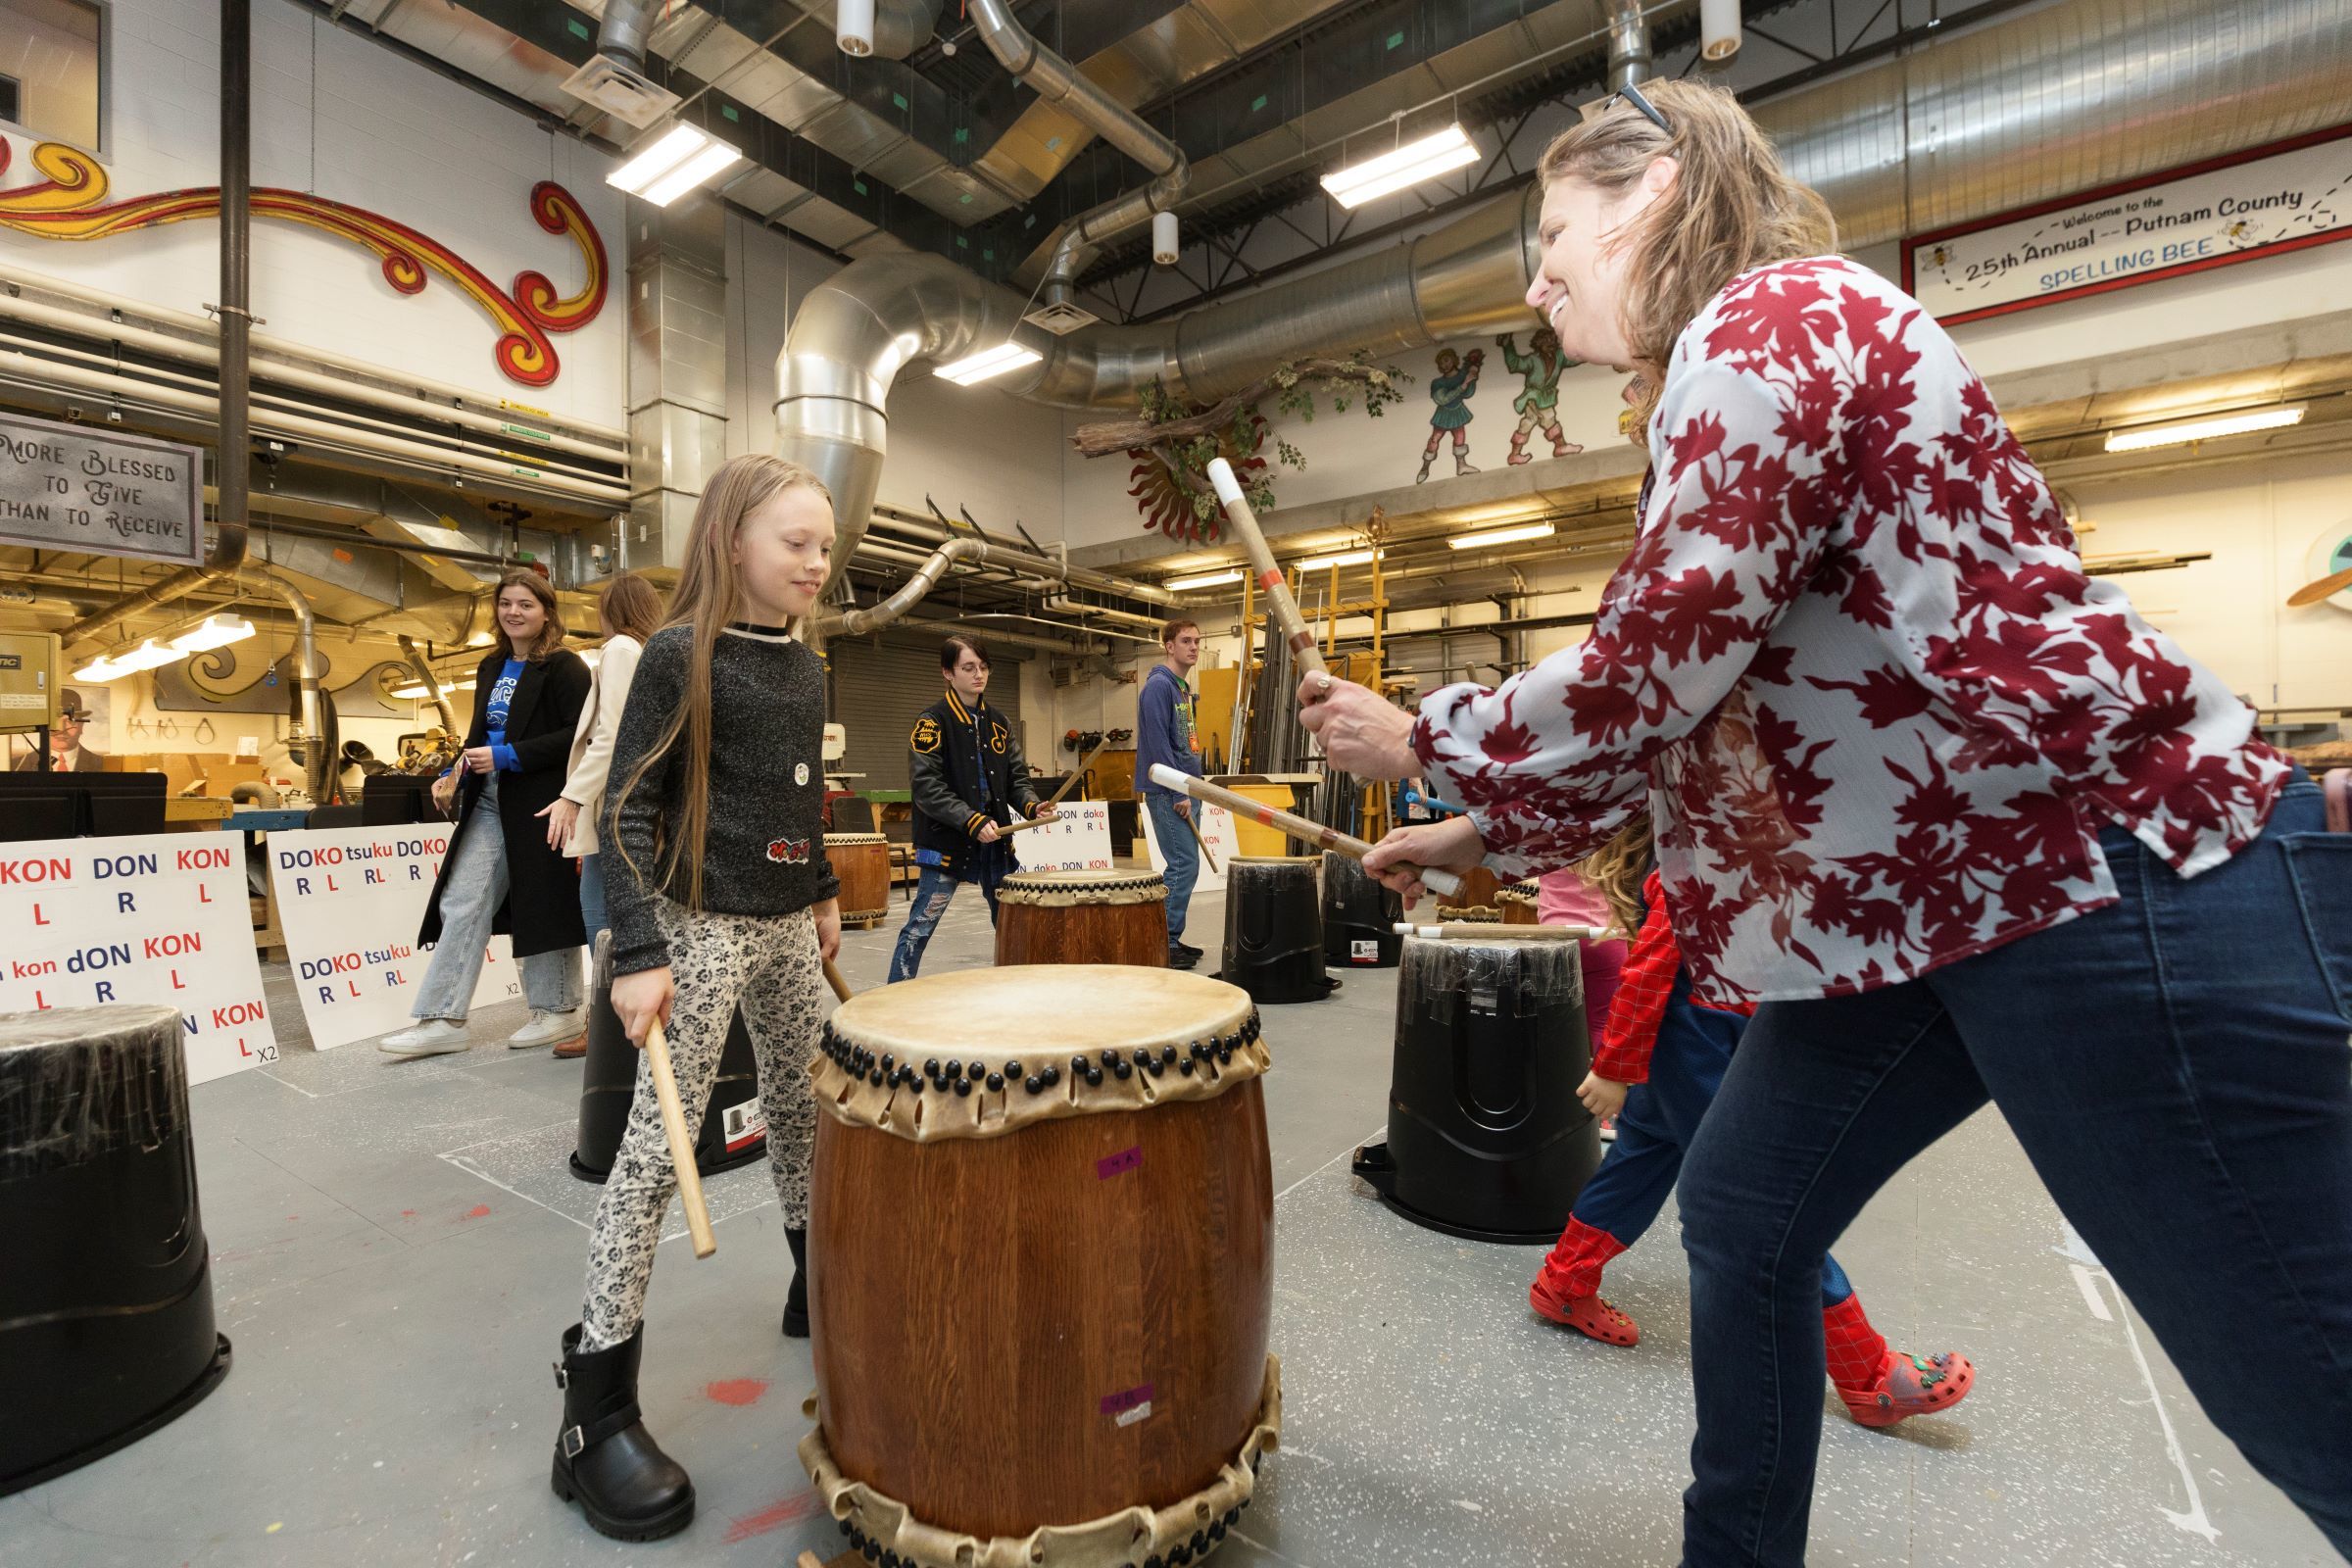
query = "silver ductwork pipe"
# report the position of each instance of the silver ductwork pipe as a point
(622, 34)
(317, 763)
(432, 683)
(856, 330)
(1058, 81)
(901, 26)
(2060, 100)
(1628, 44)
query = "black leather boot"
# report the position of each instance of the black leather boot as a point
(605, 1458)
(796, 1299)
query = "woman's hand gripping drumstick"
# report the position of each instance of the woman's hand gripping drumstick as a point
(1436, 878)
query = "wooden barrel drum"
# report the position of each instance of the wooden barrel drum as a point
(1082, 917)
(1041, 1244)
(1518, 904)
(863, 862)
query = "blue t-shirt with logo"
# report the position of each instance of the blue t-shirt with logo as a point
(502, 701)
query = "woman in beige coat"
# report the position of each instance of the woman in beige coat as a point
(629, 612)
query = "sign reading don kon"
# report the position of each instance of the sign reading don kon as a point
(99, 492)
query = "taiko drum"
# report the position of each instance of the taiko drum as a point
(1041, 1268)
(1082, 917)
(862, 861)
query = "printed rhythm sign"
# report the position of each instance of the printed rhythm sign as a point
(2261, 203)
(1078, 839)
(350, 901)
(146, 918)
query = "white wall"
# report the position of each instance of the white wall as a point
(338, 115)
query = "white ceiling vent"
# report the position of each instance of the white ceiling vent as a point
(619, 90)
(1060, 320)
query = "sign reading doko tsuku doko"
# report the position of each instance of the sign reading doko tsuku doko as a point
(2280, 198)
(150, 918)
(350, 901)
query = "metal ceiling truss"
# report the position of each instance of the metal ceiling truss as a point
(1289, 223)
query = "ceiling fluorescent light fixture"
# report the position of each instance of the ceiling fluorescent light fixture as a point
(673, 163)
(415, 692)
(1345, 558)
(1206, 579)
(1409, 165)
(1501, 536)
(147, 656)
(980, 366)
(213, 631)
(2181, 431)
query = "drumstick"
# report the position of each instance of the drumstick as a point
(840, 987)
(1054, 799)
(1444, 883)
(1279, 603)
(1481, 930)
(681, 1147)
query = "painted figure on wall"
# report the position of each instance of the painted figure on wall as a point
(1539, 398)
(1452, 389)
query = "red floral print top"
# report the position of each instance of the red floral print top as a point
(1881, 711)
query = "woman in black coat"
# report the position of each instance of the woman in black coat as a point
(500, 876)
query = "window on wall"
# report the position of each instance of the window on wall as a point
(51, 69)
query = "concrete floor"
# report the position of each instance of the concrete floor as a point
(396, 1245)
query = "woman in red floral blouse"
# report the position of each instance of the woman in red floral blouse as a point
(1964, 823)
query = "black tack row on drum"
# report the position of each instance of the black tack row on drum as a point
(959, 1077)
(1201, 1543)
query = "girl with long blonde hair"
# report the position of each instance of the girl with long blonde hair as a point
(720, 897)
(1966, 825)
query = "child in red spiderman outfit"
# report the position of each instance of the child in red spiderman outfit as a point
(1656, 1069)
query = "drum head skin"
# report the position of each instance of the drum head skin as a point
(1032, 1043)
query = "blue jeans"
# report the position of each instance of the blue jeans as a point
(476, 885)
(1658, 1122)
(1176, 847)
(932, 892)
(2176, 1066)
(592, 897)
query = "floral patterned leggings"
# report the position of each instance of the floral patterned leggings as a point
(769, 965)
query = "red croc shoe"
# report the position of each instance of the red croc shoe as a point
(1908, 1385)
(1589, 1315)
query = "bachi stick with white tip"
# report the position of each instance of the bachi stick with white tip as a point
(1488, 930)
(1280, 606)
(1443, 883)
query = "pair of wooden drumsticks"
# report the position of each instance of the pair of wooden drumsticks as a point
(1309, 659)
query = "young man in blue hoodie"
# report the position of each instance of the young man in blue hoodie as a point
(1167, 732)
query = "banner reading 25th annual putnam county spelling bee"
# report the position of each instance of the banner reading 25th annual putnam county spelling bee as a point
(350, 901)
(158, 918)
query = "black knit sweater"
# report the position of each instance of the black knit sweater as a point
(765, 848)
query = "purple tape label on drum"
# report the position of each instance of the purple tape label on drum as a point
(1120, 1163)
(1129, 1407)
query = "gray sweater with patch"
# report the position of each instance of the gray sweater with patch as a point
(765, 848)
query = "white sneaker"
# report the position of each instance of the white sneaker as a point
(547, 1029)
(435, 1037)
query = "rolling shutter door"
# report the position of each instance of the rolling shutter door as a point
(879, 685)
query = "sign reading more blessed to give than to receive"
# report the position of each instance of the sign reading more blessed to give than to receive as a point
(99, 492)
(350, 901)
(157, 919)
(2273, 199)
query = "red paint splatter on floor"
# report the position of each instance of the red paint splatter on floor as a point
(736, 1390)
(477, 1211)
(408, 1214)
(776, 1515)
